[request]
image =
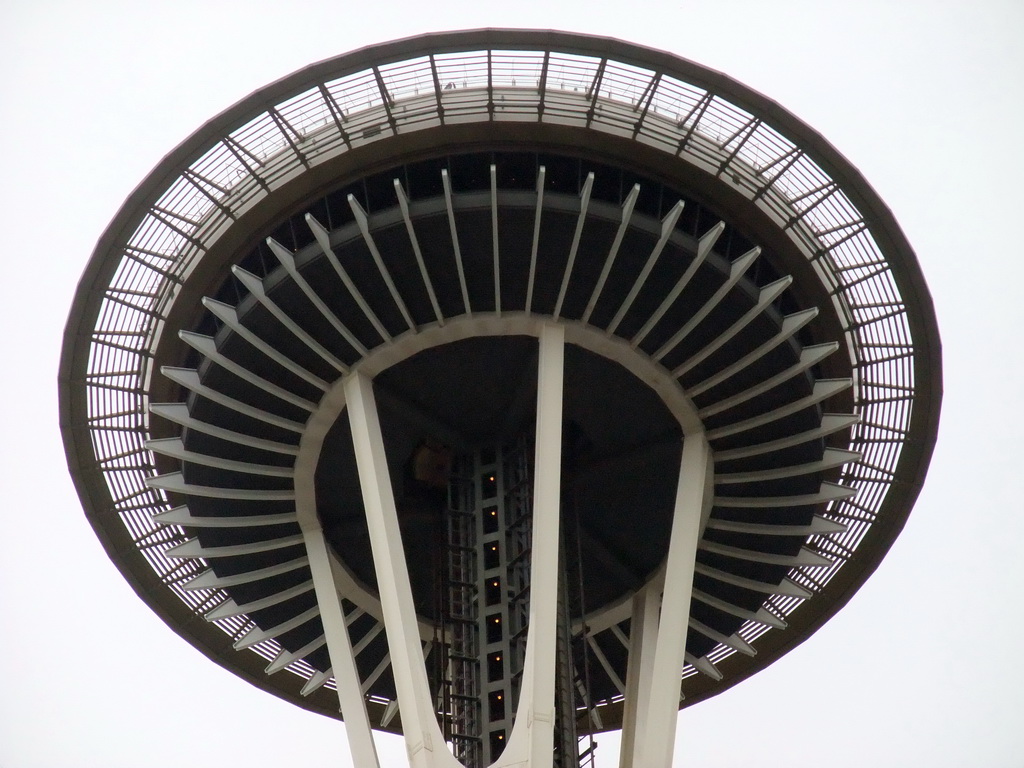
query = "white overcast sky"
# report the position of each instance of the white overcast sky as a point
(922, 668)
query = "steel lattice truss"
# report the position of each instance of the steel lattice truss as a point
(247, 155)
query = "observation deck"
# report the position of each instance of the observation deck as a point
(419, 213)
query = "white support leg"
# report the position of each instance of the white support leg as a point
(531, 743)
(423, 739)
(651, 718)
(640, 670)
(339, 646)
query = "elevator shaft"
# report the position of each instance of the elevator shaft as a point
(489, 527)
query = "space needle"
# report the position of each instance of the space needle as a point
(500, 388)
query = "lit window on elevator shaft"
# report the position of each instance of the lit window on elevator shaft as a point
(491, 520)
(494, 628)
(497, 743)
(488, 485)
(492, 555)
(495, 667)
(492, 591)
(496, 702)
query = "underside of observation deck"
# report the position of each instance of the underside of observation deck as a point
(413, 211)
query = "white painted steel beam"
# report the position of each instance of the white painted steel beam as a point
(316, 681)
(192, 549)
(255, 286)
(536, 239)
(790, 325)
(403, 203)
(174, 447)
(823, 389)
(372, 678)
(366, 639)
(767, 295)
(230, 608)
(704, 666)
(207, 347)
(804, 557)
(827, 492)
(324, 241)
(652, 718)
(391, 709)
(339, 648)
(229, 316)
(640, 668)
(532, 739)
(286, 657)
(496, 265)
(704, 246)
(830, 424)
(606, 665)
(182, 516)
(287, 260)
(189, 379)
(667, 225)
(618, 634)
(257, 635)
(785, 587)
(424, 742)
(175, 483)
(210, 580)
(447, 184)
(761, 616)
(364, 228)
(819, 526)
(733, 641)
(178, 414)
(809, 357)
(736, 271)
(613, 251)
(832, 458)
(335, 623)
(588, 187)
